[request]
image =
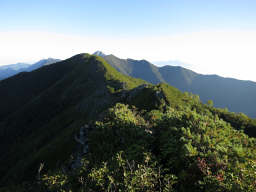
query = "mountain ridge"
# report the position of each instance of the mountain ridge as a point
(66, 97)
(68, 119)
(225, 92)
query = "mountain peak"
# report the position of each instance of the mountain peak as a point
(99, 53)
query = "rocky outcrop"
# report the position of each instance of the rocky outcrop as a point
(129, 94)
(142, 95)
(82, 141)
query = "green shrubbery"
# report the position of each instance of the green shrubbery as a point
(158, 139)
(174, 150)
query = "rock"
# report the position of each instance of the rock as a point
(82, 140)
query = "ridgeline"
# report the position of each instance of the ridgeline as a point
(80, 125)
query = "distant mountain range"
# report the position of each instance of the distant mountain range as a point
(13, 69)
(236, 95)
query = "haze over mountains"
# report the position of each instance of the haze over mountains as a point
(236, 95)
(13, 69)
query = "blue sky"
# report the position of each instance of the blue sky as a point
(133, 17)
(207, 34)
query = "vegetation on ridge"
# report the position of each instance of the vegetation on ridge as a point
(38, 121)
(135, 136)
(174, 150)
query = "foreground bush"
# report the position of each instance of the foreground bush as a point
(174, 150)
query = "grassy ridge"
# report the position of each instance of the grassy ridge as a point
(157, 117)
(42, 127)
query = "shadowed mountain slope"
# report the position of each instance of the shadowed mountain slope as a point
(46, 106)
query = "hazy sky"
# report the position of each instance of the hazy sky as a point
(211, 36)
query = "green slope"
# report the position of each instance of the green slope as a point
(171, 150)
(157, 127)
(53, 103)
